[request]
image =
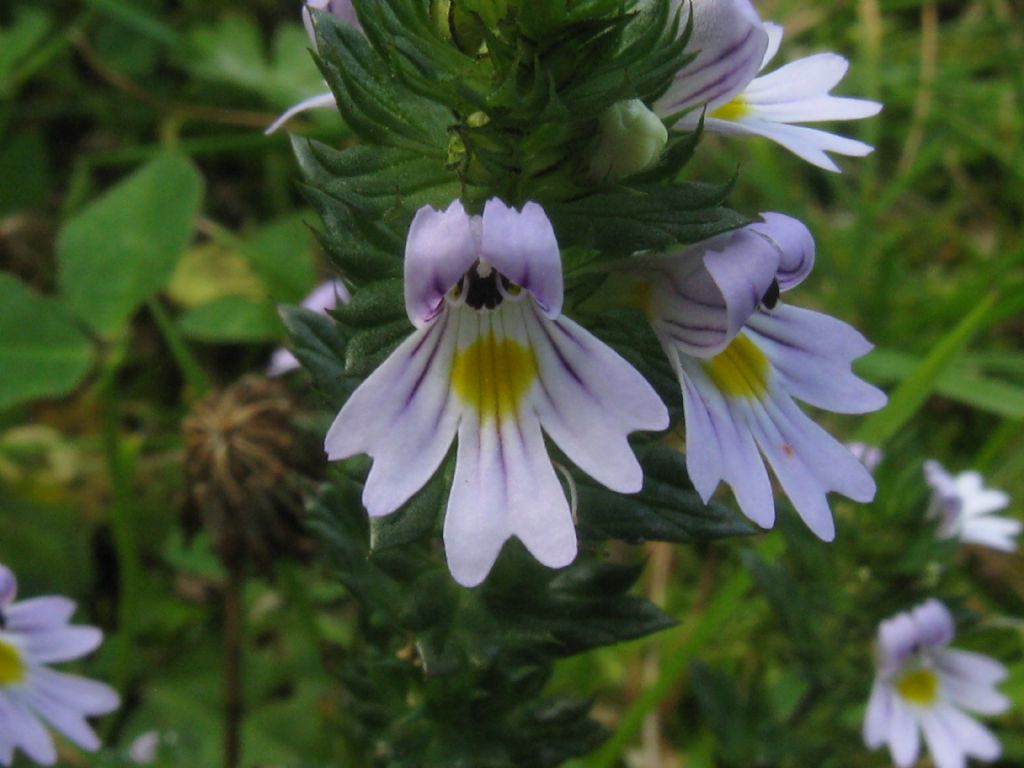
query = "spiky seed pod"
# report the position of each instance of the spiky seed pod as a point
(246, 467)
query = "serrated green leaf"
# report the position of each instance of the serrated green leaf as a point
(123, 248)
(369, 348)
(43, 353)
(318, 342)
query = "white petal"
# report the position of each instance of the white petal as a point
(976, 697)
(320, 101)
(810, 144)
(89, 697)
(521, 245)
(995, 532)
(65, 718)
(439, 249)
(402, 416)
(730, 41)
(942, 744)
(904, 740)
(812, 353)
(26, 732)
(804, 78)
(984, 501)
(876, 718)
(39, 613)
(589, 399)
(775, 33)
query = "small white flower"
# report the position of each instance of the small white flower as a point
(492, 362)
(964, 508)
(323, 299)
(33, 634)
(742, 356)
(868, 455)
(144, 749)
(733, 45)
(923, 685)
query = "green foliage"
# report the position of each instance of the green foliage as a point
(123, 248)
(43, 352)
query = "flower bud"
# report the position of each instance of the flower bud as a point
(630, 139)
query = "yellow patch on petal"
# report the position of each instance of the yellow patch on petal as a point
(732, 110)
(740, 370)
(493, 376)
(12, 669)
(919, 686)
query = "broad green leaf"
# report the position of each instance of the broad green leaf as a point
(123, 248)
(232, 319)
(43, 353)
(23, 157)
(18, 40)
(281, 253)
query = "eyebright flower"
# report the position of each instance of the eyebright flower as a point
(324, 298)
(868, 455)
(341, 9)
(493, 360)
(964, 508)
(923, 683)
(733, 45)
(741, 358)
(34, 633)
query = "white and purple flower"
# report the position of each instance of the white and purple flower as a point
(965, 509)
(494, 362)
(923, 685)
(733, 45)
(741, 357)
(33, 634)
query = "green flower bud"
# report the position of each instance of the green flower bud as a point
(630, 139)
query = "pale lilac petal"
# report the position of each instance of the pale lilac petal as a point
(972, 737)
(868, 455)
(775, 33)
(589, 399)
(341, 9)
(812, 354)
(39, 613)
(8, 586)
(984, 501)
(521, 245)
(714, 420)
(976, 697)
(319, 101)
(65, 718)
(934, 623)
(89, 697)
(401, 416)
(440, 248)
(878, 714)
(504, 485)
(971, 666)
(904, 739)
(730, 41)
(61, 643)
(794, 244)
(26, 732)
(942, 744)
(897, 638)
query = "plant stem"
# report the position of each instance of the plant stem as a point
(186, 361)
(232, 665)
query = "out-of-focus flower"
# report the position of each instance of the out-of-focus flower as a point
(921, 684)
(33, 634)
(742, 357)
(630, 139)
(965, 509)
(493, 360)
(341, 9)
(144, 748)
(733, 45)
(868, 455)
(323, 299)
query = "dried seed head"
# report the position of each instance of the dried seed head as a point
(246, 468)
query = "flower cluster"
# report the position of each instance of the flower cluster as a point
(494, 365)
(33, 634)
(924, 685)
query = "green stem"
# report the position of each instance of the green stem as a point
(679, 652)
(120, 468)
(186, 361)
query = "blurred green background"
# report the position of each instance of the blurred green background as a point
(124, 297)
